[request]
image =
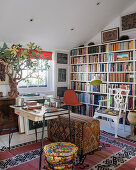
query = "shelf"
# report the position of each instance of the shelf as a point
(121, 82)
(119, 51)
(110, 62)
(97, 92)
(105, 63)
(79, 64)
(104, 44)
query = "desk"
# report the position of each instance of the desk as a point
(40, 117)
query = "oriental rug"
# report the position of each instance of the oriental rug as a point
(112, 154)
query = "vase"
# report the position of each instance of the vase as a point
(132, 117)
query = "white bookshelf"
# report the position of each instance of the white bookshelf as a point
(81, 65)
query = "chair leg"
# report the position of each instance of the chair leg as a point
(124, 123)
(116, 121)
(111, 123)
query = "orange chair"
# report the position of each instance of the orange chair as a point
(70, 99)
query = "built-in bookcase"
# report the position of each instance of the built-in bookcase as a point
(114, 63)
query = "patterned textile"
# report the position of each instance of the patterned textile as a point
(60, 155)
(85, 131)
(109, 111)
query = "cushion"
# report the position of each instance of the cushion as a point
(109, 111)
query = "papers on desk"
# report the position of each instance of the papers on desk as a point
(51, 109)
(32, 107)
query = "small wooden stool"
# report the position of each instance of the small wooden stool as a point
(60, 155)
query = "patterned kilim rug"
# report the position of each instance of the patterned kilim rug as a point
(112, 154)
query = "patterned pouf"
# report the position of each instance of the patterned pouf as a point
(60, 155)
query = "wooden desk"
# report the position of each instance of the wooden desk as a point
(31, 115)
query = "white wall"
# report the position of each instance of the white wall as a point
(117, 23)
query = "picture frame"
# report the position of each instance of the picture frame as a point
(62, 74)
(122, 56)
(110, 35)
(128, 22)
(62, 58)
(61, 91)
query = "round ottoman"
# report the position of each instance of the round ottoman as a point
(60, 155)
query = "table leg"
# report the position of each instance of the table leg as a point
(41, 151)
(35, 127)
(69, 122)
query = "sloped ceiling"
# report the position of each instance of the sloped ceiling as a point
(54, 19)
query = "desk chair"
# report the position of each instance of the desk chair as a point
(70, 99)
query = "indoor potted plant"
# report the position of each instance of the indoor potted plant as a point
(15, 59)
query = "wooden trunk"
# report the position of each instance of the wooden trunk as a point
(8, 119)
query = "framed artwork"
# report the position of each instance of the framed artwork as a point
(62, 58)
(122, 56)
(128, 22)
(61, 91)
(61, 75)
(110, 35)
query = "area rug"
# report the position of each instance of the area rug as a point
(112, 154)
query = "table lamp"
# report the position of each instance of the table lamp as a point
(95, 81)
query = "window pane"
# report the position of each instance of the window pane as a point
(32, 82)
(43, 78)
(37, 78)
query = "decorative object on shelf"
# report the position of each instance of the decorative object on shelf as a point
(110, 35)
(96, 81)
(81, 45)
(16, 58)
(122, 56)
(62, 58)
(128, 22)
(61, 75)
(91, 43)
(124, 37)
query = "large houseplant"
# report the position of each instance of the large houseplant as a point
(15, 59)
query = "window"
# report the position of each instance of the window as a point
(37, 79)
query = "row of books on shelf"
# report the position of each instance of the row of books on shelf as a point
(102, 76)
(111, 57)
(118, 46)
(79, 76)
(79, 51)
(121, 77)
(78, 60)
(84, 97)
(125, 45)
(100, 67)
(79, 86)
(123, 86)
(79, 68)
(102, 88)
(121, 66)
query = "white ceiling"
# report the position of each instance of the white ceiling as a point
(53, 20)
